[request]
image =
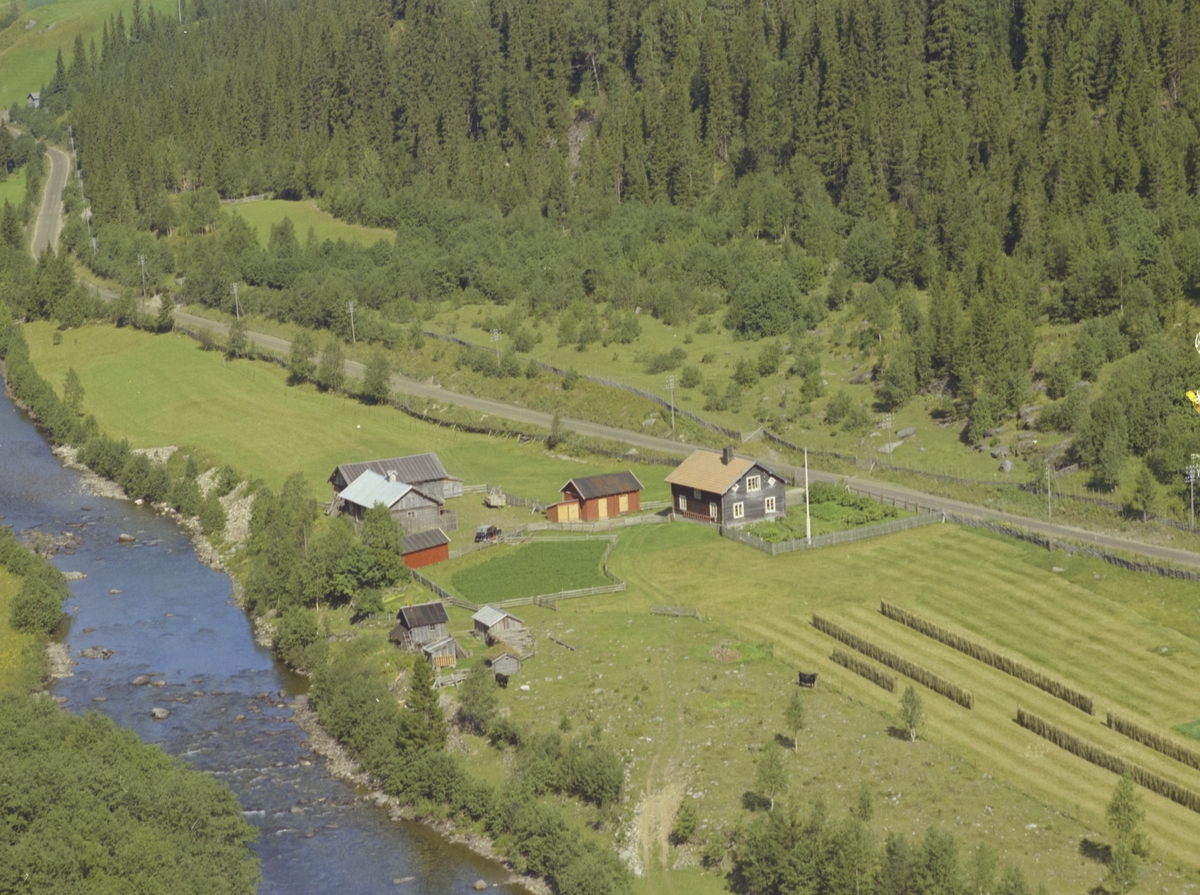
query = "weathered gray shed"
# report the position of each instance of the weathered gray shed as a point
(423, 471)
(414, 510)
(420, 624)
(503, 662)
(443, 653)
(489, 621)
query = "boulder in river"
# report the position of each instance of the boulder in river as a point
(159, 714)
(479, 885)
(125, 538)
(140, 681)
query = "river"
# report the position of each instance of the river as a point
(164, 614)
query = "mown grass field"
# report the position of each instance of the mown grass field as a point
(27, 53)
(532, 570)
(305, 215)
(12, 643)
(157, 390)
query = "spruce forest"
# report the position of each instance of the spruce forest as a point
(960, 171)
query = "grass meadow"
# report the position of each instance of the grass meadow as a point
(305, 215)
(12, 188)
(690, 702)
(27, 53)
(12, 643)
(533, 569)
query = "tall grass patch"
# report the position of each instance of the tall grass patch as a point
(540, 568)
(13, 644)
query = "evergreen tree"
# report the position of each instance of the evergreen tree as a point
(422, 724)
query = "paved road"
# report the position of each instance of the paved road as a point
(408, 386)
(49, 219)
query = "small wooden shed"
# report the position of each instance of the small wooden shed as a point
(503, 662)
(420, 624)
(490, 621)
(425, 548)
(443, 653)
(596, 497)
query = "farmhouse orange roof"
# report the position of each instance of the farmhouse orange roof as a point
(705, 471)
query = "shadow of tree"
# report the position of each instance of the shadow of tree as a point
(786, 742)
(1094, 851)
(752, 801)
(899, 733)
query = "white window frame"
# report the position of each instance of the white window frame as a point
(739, 510)
(753, 483)
(770, 505)
(712, 510)
(682, 504)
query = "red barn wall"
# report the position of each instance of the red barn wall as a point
(427, 557)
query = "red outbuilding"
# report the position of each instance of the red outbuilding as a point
(597, 497)
(425, 548)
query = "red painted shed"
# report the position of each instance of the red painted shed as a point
(425, 548)
(597, 497)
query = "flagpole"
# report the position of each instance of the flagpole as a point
(807, 518)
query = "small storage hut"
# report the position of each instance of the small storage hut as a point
(420, 624)
(424, 548)
(490, 621)
(503, 662)
(443, 653)
(595, 497)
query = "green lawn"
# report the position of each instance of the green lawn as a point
(27, 53)
(12, 188)
(304, 215)
(12, 643)
(531, 570)
(158, 390)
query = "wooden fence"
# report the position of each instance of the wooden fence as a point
(450, 680)
(675, 611)
(837, 537)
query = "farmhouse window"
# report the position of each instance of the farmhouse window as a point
(770, 505)
(712, 511)
(753, 483)
(696, 493)
(682, 504)
(739, 510)
(412, 514)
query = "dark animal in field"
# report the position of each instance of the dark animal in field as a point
(808, 680)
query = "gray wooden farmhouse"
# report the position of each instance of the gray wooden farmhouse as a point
(420, 624)
(414, 488)
(726, 490)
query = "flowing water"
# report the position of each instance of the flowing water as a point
(164, 614)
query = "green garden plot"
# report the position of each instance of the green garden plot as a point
(536, 569)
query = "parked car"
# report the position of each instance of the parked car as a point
(486, 534)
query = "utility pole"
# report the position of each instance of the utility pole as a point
(71, 134)
(496, 340)
(180, 2)
(350, 308)
(807, 517)
(887, 418)
(93, 247)
(671, 386)
(237, 306)
(1048, 508)
(1193, 470)
(142, 261)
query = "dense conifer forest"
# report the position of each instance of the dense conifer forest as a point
(1014, 165)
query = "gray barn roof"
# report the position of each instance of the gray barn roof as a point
(424, 540)
(593, 486)
(414, 469)
(371, 488)
(423, 614)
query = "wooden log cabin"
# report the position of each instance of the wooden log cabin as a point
(420, 624)
(503, 662)
(414, 488)
(726, 490)
(596, 497)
